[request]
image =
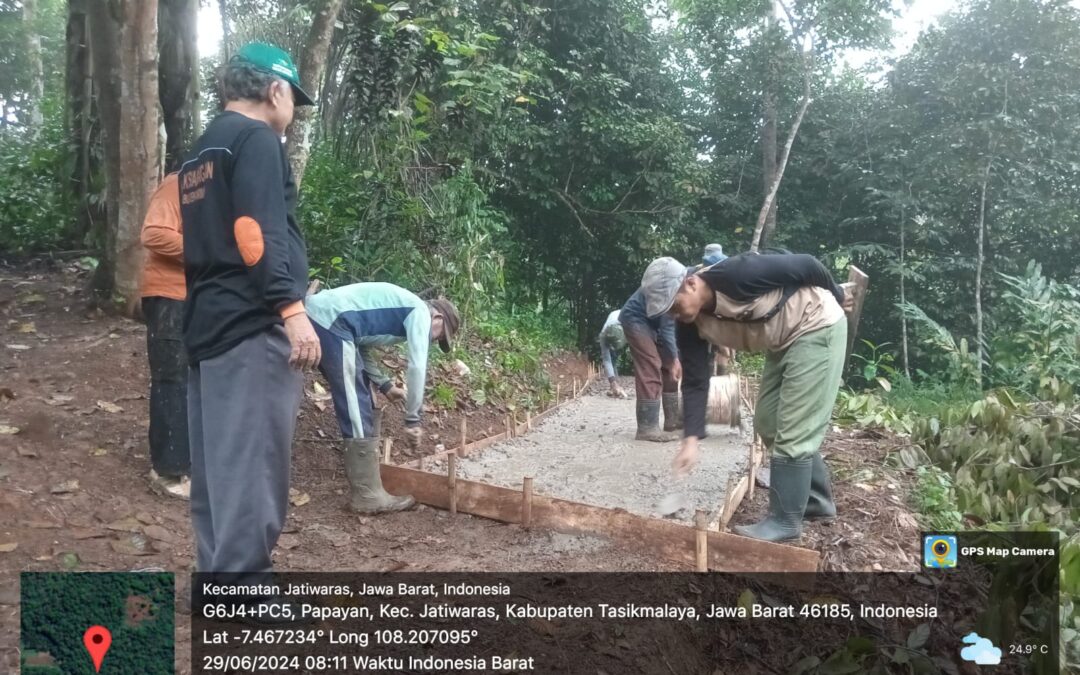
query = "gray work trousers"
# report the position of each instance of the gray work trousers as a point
(242, 408)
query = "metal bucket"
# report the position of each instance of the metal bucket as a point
(724, 405)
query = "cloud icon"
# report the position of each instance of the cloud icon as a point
(981, 651)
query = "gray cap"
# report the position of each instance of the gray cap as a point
(714, 253)
(662, 280)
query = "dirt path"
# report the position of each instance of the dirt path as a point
(586, 452)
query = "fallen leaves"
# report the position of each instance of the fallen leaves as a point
(109, 407)
(18, 347)
(136, 544)
(66, 487)
(297, 498)
(9, 547)
(159, 533)
(26, 452)
(8, 430)
(288, 542)
(98, 452)
(59, 399)
(6, 393)
(128, 524)
(27, 327)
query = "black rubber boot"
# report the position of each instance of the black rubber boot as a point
(367, 495)
(672, 411)
(648, 423)
(789, 490)
(821, 504)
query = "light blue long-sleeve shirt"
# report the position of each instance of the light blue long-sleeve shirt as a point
(378, 314)
(606, 348)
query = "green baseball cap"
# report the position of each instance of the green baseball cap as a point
(274, 61)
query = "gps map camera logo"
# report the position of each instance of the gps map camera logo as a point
(939, 551)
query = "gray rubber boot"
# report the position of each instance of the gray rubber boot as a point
(366, 493)
(789, 490)
(821, 504)
(648, 423)
(672, 411)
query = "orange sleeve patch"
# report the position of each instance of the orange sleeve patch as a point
(249, 239)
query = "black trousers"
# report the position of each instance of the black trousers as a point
(169, 453)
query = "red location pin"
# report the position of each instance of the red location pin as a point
(97, 640)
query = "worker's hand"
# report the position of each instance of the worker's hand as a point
(676, 369)
(687, 458)
(395, 394)
(306, 352)
(849, 300)
(414, 435)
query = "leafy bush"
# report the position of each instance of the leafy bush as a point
(936, 500)
(35, 212)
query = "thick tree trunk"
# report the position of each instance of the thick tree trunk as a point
(124, 47)
(178, 76)
(84, 131)
(37, 70)
(312, 68)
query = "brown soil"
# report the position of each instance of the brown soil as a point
(74, 491)
(137, 609)
(876, 529)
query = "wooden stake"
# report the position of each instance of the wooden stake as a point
(856, 285)
(387, 442)
(558, 394)
(451, 480)
(701, 542)
(526, 502)
(509, 430)
(753, 468)
(464, 436)
(528, 420)
(575, 388)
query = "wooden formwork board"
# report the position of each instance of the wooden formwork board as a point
(665, 539)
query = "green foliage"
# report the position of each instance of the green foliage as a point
(36, 211)
(444, 396)
(877, 362)
(935, 500)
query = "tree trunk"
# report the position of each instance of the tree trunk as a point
(903, 295)
(979, 261)
(124, 48)
(178, 76)
(226, 36)
(770, 197)
(84, 131)
(312, 67)
(37, 70)
(768, 134)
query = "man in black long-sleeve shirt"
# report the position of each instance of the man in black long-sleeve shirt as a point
(245, 328)
(788, 306)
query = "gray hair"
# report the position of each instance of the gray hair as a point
(240, 81)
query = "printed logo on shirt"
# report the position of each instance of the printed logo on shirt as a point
(192, 187)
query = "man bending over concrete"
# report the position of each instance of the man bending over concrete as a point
(788, 306)
(657, 370)
(612, 341)
(350, 321)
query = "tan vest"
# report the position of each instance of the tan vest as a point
(807, 310)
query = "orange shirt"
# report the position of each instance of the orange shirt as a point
(162, 235)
